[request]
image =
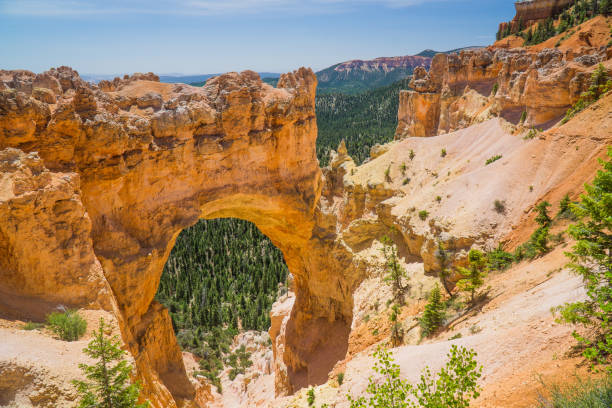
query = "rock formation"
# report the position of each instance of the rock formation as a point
(472, 86)
(97, 185)
(529, 12)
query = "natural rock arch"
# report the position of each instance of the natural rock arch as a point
(132, 163)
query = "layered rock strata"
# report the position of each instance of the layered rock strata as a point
(472, 86)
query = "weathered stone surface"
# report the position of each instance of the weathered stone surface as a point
(544, 84)
(133, 179)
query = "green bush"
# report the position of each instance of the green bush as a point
(495, 89)
(411, 154)
(443, 153)
(33, 326)
(68, 325)
(423, 214)
(498, 259)
(340, 378)
(311, 396)
(492, 159)
(523, 116)
(583, 394)
(500, 206)
(406, 181)
(454, 386)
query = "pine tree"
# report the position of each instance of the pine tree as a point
(591, 258)
(397, 329)
(443, 260)
(434, 313)
(474, 274)
(396, 274)
(543, 218)
(109, 379)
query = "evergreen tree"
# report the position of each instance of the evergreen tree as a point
(591, 258)
(543, 218)
(434, 313)
(443, 260)
(474, 274)
(396, 274)
(109, 378)
(397, 329)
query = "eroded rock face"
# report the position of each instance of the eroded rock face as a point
(102, 181)
(472, 86)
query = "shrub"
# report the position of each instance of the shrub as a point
(495, 89)
(403, 168)
(340, 378)
(423, 214)
(454, 386)
(583, 394)
(68, 325)
(434, 313)
(492, 159)
(406, 181)
(311, 396)
(438, 198)
(33, 326)
(500, 206)
(591, 258)
(411, 154)
(533, 132)
(443, 153)
(498, 259)
(388, 174)
(523, 117)
(108, 382)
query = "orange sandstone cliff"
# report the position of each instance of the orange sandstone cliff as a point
(98, 181)
(467, 88)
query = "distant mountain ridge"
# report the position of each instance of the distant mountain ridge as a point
(430, 53)
(356, 76)
(171, 78)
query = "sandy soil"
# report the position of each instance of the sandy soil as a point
(40, 366)
(515, 335)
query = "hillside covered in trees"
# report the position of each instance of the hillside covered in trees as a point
(362, 120)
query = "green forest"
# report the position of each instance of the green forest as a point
(221, 273)
(362, 120)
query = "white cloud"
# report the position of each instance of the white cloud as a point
(58, 8)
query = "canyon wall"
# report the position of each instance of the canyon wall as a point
(98, 181)
(472, 86)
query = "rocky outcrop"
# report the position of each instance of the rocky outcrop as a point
(529, 12)
(95, 188)
(472, 86)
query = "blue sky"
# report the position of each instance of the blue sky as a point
(206, 36)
